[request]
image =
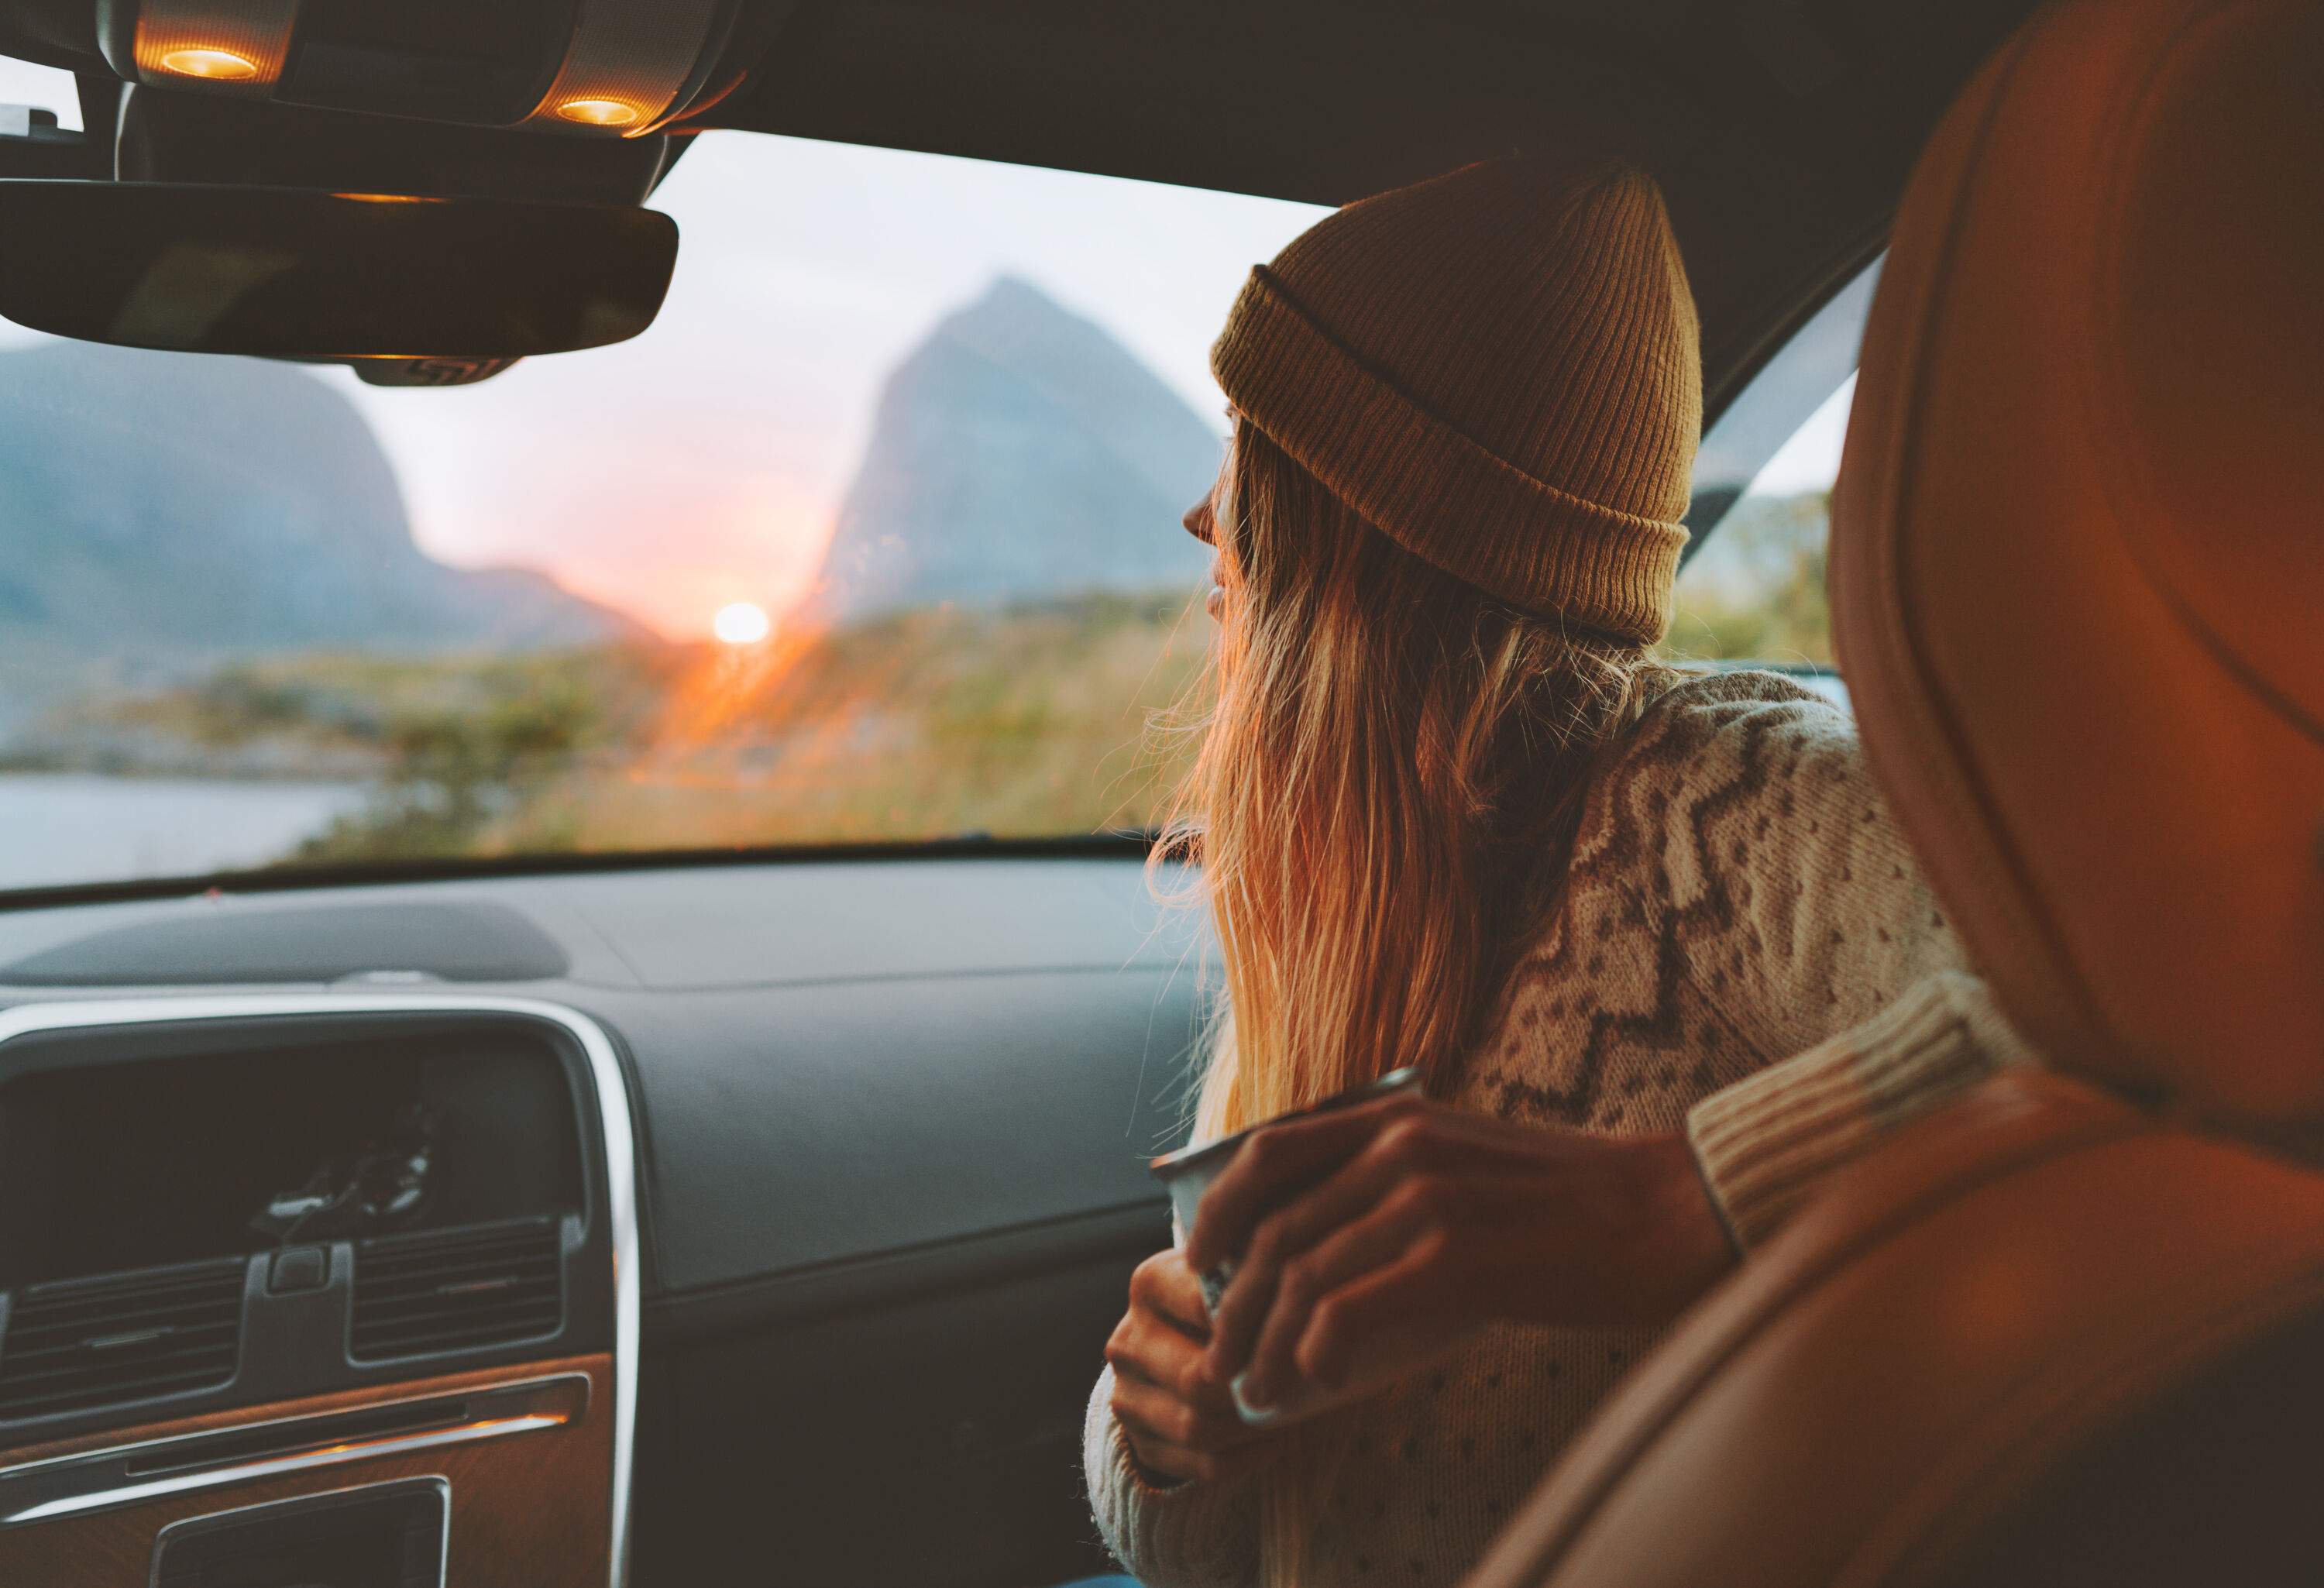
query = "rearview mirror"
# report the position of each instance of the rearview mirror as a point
(290, 272)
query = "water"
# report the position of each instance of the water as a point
(73, 827)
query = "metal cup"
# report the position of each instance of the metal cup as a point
(1188, 1172)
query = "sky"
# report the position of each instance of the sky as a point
(43, 87)
(702, 463)
(1810, 460)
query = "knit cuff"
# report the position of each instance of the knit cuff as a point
(1165, 1534)
(1766, 1144)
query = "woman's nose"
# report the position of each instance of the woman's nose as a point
(1200, 523)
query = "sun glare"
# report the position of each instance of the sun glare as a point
(741, 622)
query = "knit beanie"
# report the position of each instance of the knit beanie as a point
(1499, 369)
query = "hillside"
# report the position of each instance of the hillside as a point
(1031, 718)
(158, 510)
(1019, 452)
(1040, 718)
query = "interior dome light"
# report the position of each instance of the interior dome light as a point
(599, 113)
(219, 65)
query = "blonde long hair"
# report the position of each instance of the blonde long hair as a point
(1382, 807)
(1386, 790)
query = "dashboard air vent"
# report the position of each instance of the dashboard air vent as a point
(456, 1289)
(81, 1344)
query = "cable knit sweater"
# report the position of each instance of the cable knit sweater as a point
(1738, 896)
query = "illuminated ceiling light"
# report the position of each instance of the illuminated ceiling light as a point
(225, 46)
(600, 113)
(217, 65)
(640, 55)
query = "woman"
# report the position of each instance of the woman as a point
(1452, 813)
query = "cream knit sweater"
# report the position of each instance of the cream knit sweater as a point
(1738, 896)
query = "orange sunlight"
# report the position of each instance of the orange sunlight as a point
(741, 622)
(681, 567)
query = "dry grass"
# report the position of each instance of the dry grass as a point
(1032, 721)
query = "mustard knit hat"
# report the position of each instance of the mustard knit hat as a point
(1498, 368)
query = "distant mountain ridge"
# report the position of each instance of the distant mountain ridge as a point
(1019, 452)
(162, 508)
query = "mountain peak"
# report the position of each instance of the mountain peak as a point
(1013, 293)
(1019, 451)
(170, 509)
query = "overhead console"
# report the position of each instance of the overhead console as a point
(293, 1285)
(605, 66)
(428, 192)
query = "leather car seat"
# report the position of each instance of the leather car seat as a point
(2070, 1329)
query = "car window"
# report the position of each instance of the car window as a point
(873, 536)
(40, 87)
(1752, 588)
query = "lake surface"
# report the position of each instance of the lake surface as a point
(72, 827)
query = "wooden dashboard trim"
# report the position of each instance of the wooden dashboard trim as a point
(528, 1513)
(298, 1438)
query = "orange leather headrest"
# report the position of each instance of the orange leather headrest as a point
(2078, 557)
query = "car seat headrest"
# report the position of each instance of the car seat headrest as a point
(2078, 553)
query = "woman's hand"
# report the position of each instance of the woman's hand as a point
(1375, 1238)
(1180, 1420)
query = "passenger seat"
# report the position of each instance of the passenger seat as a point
(2071, 1330)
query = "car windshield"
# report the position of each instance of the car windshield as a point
(873, 537)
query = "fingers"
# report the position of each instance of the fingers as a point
(1164, 1393)
(1163, 1285)
(1274, 1161)
(1392, 1320)
(1159, 1458)
(1157, 1414)
(1406, 1229)
(1151, 1352)
(1397, 1154)
(1181, 1422)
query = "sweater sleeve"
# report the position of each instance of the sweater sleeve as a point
(1832, 959)
(1764, 1143)
(1184, 1536)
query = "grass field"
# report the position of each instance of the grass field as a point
(1040, 719)
(1031, 720)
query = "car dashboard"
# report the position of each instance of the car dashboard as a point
(638, 1225)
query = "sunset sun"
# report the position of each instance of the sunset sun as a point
(741, 622)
